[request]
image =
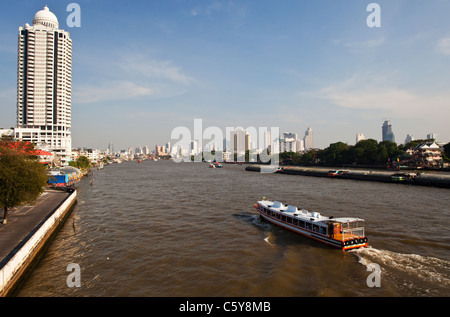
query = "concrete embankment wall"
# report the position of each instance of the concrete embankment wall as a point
(425, 179)
(12, 272)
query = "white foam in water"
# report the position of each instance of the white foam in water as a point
(425, 268)
(267, 239)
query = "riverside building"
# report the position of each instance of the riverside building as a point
(44, 85)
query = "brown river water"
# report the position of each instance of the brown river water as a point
(183, 229)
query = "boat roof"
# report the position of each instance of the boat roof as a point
(303, 213)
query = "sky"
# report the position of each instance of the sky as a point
(145, 67)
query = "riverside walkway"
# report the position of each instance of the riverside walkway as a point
(425, 178)
(22, 222)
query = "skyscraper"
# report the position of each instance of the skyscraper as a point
(360, 137)
(432, 136)
(409, 138)
(44, 85)
(308, 140)
(388, 135)
(240, 141)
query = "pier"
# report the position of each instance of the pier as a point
(436, 179)
(27, 235)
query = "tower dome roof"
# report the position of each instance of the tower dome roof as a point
(46, 17)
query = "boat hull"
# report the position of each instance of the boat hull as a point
(311, 234)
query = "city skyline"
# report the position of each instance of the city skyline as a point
(142, 69)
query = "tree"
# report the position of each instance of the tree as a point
(22, 176)
(365, 152)
(335, 154)
(82, 162)
(309, 158)
(446, 154)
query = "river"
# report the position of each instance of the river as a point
(170, 229)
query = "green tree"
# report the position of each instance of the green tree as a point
(83, 162)
(22, 176)
(309, 158)
(288, 158)
(73, 164)
(335, 154)
(446, 154)
(365, 152)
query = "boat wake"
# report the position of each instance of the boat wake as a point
(268, 238)
(258, 222)
(422, 275)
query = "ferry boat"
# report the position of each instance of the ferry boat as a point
(345, 233)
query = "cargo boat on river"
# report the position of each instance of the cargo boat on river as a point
(345, 233)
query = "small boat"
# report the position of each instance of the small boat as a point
(402, 177)
(215, 165)
(336, 172)
(139, 161)
(345, 233)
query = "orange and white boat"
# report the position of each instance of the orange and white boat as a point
(345, 233)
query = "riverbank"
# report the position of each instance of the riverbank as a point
(28, 233)
(436, 179)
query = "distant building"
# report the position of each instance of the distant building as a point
(110, 148)
(44, 84)
(6, 132)
(432, 136)
(290, 143)
(308, 140)
(160, 150)
(195, 147)
(426, 155)
(409, 138)
(240, 141)
(360, 137)
(388, 135)
(266, 141)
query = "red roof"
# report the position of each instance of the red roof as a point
(41, 153)
(26, 147)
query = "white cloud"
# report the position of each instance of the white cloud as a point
(443, 46)
(366, 44)
(115, 90)
(159, 70)
(236, 11)
(135, 75)
(360, 45)
(208, 9)
(376, 92)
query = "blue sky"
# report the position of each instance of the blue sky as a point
(142, 68)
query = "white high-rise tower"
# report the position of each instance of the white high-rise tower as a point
(308, 139)
(44, 85)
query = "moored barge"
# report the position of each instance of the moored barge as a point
(345, 233)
